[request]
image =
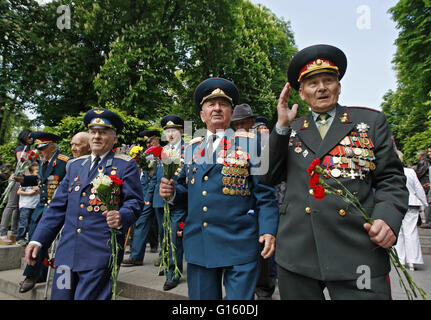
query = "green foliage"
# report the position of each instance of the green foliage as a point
(7, 153)
(407, 109)
(144, 57)
(69, 126)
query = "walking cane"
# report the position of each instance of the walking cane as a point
(127, 238)
(50, 266)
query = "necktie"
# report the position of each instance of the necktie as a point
(210, 145)
(94, 167)
(324, 125)
(45, 167)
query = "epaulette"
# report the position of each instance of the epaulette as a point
(364, 108)
(123, 156)
(197, 139)
(245, 134)
(79, 158)
(63, 157)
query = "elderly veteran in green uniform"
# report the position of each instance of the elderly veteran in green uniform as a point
(325, 243)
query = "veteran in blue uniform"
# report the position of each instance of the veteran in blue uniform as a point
(52, 170)
(229, 210)
(173, 129)
(144, 223)
(83, 255)
(326, 243)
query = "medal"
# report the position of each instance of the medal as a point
(113, 172)
(77, 188)
(89, 208)
(298, 149)
(226, 190)
(335, 172)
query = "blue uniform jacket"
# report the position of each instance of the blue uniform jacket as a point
(226, 216)
(85, 236)
(153, 194)
(145, 182)
(49, 182)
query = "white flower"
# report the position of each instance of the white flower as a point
(172, 156)
(101, 179)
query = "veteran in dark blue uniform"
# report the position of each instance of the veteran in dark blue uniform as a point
(83, 255)
(326, 243)
(144, 223)
(229, 210)
(51, 171)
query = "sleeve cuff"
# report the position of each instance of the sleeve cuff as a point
(282, 131)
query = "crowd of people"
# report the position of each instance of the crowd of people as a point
(232, 223)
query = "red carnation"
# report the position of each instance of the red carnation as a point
(116, 180)
(201, 153)
(314, 180)
(312, 167)
(319, 192)
(155, 150)
(22, 159)
(181, 226)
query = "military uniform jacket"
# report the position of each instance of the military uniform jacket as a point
(325, 239)
(85, 236)
(153, 194)
(145, 182)
(49, 182)
(228, 209)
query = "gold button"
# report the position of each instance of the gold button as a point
(339, 192)
(205, 224)
(78, 230)
(342, 212)
(84, 194)
(204, 193)
(205, 209)
(81, 218)
(82, 205)
(308, 210)
(206, 178)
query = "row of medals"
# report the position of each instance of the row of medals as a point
(52, 186)
(356, 153)
(235, 173)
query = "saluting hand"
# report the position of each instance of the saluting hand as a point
(285, 114)
(167, 188)
(269, 245)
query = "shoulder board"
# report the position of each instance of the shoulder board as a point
(123, 156)
(245, 134)
(197, 139)
(63, 157)
(364, 108)
(297, 119)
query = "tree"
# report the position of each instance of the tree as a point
(407, 108)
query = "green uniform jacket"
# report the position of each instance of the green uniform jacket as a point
(314, 238)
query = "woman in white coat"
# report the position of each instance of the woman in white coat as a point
(408, 245)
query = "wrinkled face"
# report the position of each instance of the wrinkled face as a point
(47, 152)
(173, 135)
(245, 124)
(102, 140)
(320, 92)
(79, 146)
(216, 114)
(262, 129)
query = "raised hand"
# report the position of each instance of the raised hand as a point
(285, 114)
